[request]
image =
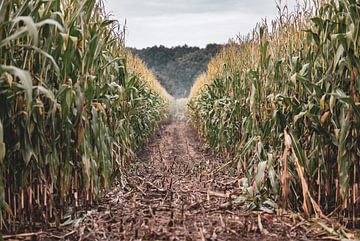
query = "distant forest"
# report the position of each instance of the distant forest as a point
(176, 68)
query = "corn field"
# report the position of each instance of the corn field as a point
(74, 106)
(283, 103)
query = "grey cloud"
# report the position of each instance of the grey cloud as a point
(158, 7)
(192, 22)
(132, 8)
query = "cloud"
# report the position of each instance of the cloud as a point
(192, 22)
(160, 7)
(133, 8)
(193, 29)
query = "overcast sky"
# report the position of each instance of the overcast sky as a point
(191, 22)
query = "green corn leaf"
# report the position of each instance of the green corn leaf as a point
(339, 53)
(48, 93)
(3, 5)
(299, 152)
(344, 156)
(25, 80)
(260, 173)
(44, 53)
(30, 27)
(14, 36)
(50, 22)
(299, 116)
(2, 144)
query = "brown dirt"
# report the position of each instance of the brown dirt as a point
(178, 190)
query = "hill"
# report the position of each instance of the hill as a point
(177, 68)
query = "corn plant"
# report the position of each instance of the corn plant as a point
(72, 112)
(284, 103)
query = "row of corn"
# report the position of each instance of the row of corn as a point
(74, 105)
(284, 103)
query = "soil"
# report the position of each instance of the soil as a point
(179, 190)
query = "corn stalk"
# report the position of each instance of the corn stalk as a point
(72, 112)
(295, 79)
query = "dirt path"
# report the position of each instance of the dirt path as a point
(180, 192)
